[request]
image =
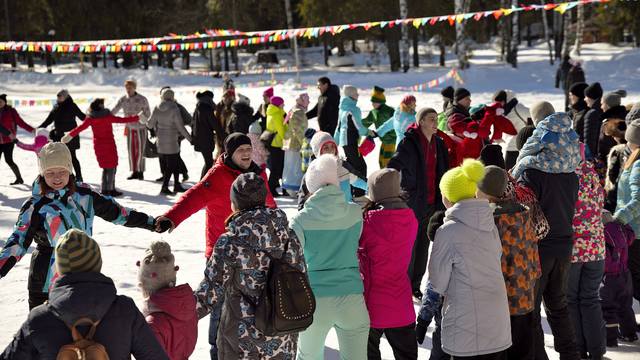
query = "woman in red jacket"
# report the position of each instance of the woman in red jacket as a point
(212, 193)
(10, 120)
(100, 120)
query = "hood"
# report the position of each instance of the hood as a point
(98, 114)
(616, 112)
(392, 220)
(177, 302)
(167, 105)
(347, 103)
(273, 110)
(77, 295)
(328, 203)
(332, 92)
(474, 213)
(559, 122)
(239, 108)
(206, 101)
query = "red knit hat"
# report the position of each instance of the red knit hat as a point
(268, 92)
(408, 99)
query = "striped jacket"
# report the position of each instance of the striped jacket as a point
(44, 218)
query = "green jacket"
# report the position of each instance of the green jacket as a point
(378, 117)
(329, 229)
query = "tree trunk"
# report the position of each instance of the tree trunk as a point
(93, 56)
(185, 60)
(393, 45)
(547, 38)
(416, 54)
(325, 50)
(443, 51)
(461, 46)
(566, 32)
(405, 36)
(558, 29)
(515, 36)
(579, 29)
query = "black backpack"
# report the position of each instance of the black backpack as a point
(286, 304)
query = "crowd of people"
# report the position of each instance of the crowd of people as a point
(520, 205)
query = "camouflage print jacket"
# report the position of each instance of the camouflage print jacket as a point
(238, 269)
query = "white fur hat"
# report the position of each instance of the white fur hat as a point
(322, 171)
(350, 91)
(318, 140)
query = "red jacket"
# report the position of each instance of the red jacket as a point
(212, 193)
(104, 145)
(173, 319)
(10, 120)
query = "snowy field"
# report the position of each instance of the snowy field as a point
(121, 247)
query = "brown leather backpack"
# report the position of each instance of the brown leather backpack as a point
(83, 347)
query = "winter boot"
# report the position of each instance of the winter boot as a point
(185, 177)
(116, 193)
(166, 191)
(16, 172)
(179, 189)
(134, 175)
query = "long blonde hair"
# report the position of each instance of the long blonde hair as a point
(632, 159)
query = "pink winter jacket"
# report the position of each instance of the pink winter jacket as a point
(385, 252)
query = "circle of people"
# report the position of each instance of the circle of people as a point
(522, 205)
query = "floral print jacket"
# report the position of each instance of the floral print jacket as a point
(588, 243)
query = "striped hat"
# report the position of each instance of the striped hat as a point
(377, 96)
(77, 252)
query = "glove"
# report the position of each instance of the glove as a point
(163, 224)
(421, 330)
(66, 138)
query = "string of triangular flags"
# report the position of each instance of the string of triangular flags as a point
(266, 36)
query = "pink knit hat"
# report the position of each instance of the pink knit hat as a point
(408, 99)
(268, 92)
(276, 101)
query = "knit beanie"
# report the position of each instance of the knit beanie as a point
(234, 141)
(77, 252)
(255, 128)
(461, 182)
(460, 94)
(350, 91)
(248, 191)
(318, 140)
(408, 99)
(3, 97)
(244, 100)
(276, 101)
(523, 135)
(377, 96)
(541, 110)
(64, 93)
(447, 92)
(167, 94)
(632, 134)
(500, 95)
(577, 89)
(268, 92)
(491, 154)
(494, 182)
(157, 269)
(384, 185)
(614, 98)
(322, 171)
(53, 155)
(593, 91)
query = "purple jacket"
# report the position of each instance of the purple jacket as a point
(618, 238)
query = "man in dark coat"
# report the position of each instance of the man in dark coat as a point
(578, 107)
(204, 129)
(422, 158)
(241, 117)
(569, 72)
(326, 110)
(557, 195)
(593, 118)
(83, 292)
(63, 117)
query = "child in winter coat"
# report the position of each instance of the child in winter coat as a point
(386, 244)
(39, 141)
(329, 229)
(170, 310)
(100, 120)
(616, 292)
(238, 271)
(323, 143)
(275, 161)
(520, 260)
(404, 116)
(297, 124)
(553, 147)
(306, 152)
(57, 204)
(465, 268)
(259, 154)
(380, 113)
(587, 263)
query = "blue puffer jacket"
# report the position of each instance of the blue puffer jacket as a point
(399, 122)
(628, 206)
(350, 127)
(44, 218)
(553, 147)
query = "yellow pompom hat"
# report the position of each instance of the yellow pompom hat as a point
(461, 182)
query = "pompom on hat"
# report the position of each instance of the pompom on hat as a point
(461, 183)
(157, 269)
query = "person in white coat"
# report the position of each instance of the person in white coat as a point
(519, 116)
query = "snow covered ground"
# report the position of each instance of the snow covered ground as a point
(614, 67)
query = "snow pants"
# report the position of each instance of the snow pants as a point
(401, 339)
(616, 294)
(348, 315)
